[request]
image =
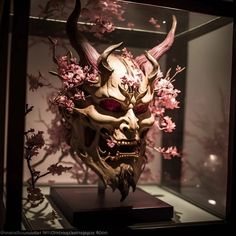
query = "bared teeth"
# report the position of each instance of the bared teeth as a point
(130, 143)
(125, 154)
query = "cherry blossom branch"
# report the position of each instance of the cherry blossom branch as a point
(177, 71)
(167, 153)
(34, 142)
(31, 172)
(164, 98)
(28, 109)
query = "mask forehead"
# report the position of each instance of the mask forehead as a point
(126, 76)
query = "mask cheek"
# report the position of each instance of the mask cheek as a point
(146, 122)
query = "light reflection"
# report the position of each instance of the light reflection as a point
(212, 157)
(212, 202)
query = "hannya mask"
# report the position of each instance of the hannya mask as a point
(108, 127)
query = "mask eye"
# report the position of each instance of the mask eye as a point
(140, 108)
(110, 105)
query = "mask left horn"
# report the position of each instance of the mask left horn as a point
(103, 60)
(87, 53)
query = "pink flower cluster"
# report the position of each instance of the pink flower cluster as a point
(126, 53)
(169, 152)
(131, 82)
(69, 70)
(154, 22)
(164, 98)
(166, 94)
(134, 81)
(101, 14)
(166, 124)
(110, 143)
(72, 76)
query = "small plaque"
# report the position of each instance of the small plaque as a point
(84, 207)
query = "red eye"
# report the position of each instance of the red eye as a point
(110, 105)
(140, 108)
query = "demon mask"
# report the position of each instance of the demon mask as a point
(109, 126)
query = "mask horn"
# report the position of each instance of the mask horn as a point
(160, 49)
(87, 53)
(103, 62)
(155, 66)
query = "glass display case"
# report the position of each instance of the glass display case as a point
(197, 182)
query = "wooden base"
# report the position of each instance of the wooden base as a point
(84, 207)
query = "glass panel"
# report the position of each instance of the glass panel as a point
(125, 15)
(207, 118)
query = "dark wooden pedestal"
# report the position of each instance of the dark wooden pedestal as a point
(85, 208)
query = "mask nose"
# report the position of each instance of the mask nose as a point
(129, 126)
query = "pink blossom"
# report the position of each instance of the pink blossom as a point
(167, 124)
(153, 21)
(63, 64)
(92, 77)
(166, 94)
(110, 143)
(130, 25)
(72, 74)
(127, 54)
(178, 68)
(169, 101)
(105, 25)
(73, 60)
(101, 14)
(169, 152)
(73, 77)
(79, 95)
(132, 82)
(155, 107)
(163, 84)
(63, 101)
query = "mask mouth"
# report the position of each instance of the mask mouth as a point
(124, 151)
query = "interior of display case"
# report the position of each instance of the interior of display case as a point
(194, 182)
